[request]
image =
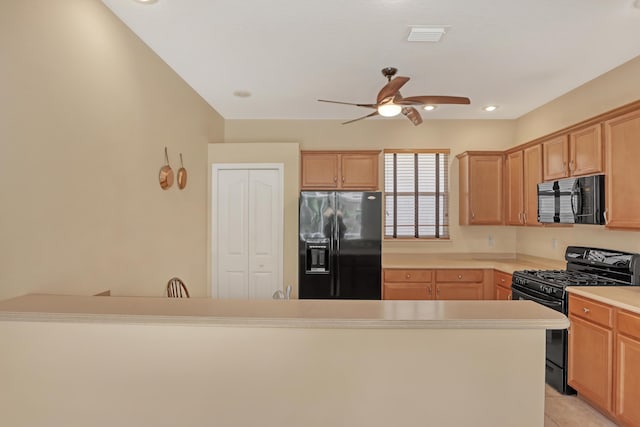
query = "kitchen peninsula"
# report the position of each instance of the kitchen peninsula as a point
(103, 361)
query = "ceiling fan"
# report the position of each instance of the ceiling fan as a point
(390, 103)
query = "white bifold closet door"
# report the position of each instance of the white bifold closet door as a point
(247, 235)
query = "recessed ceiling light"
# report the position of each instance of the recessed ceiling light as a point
(490, 108)
(146, 1)
(426, 33)
(430, 107)
(242, 93)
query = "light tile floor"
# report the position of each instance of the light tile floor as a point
(570, 411)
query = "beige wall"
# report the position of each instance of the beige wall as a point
(457, 135)
(85, 113)
(613, 89)
(288, 154)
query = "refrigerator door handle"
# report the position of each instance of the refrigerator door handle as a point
(336, 236)
(332, 264)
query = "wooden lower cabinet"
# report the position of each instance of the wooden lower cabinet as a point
(503, 293)
(503, 285)
(460, 284)
(459, 291)
(627, 372)
(407, 291)
(591, 361)
(590, 356)
(427, 284)
(407, 284)
(604, 358)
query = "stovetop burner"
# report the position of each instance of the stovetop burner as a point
(585, 267)
(563, 278)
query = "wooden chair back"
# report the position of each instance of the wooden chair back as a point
(177, 289)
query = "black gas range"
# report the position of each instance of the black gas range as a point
(585, 267)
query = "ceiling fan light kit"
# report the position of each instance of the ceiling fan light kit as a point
(389, 110)
(390, 103)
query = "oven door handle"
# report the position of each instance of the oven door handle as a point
(544, 301)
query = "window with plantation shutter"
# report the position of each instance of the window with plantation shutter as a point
(416, 194)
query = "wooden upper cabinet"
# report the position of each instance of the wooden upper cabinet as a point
(514, 184)
(622, 151)
(532, 176)
(556, 158)
(334, 170)
(585, 151)
(319, 170)
(578, 153)
(523, 172)
(481, 188)
(359, 171)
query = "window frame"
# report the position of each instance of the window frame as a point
(417, 194)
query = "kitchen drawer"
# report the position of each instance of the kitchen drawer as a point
(502, 279)
(417, 275)
(590, 310)
(465, 275)
(628, 323)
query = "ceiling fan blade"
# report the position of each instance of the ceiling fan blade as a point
(425, 100)
(350, 103)
(375, 113)
(391, 88)
(413, 115)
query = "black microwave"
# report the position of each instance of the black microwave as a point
(572, 201)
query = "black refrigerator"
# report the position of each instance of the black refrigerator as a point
(340, 245)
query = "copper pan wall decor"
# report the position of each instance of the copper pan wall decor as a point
(182, 175)
(166, 173)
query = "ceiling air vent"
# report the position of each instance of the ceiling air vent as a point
(426, 34)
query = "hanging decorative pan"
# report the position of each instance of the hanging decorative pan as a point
(182, 175)
(166, 173)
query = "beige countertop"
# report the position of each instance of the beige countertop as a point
(626, 297)
(508, 265)
(284, 313)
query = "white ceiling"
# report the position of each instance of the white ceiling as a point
(518, 54)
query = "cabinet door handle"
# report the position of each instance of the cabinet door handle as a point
(473, 215)
(564, 166)
(343, 179)
(524, 217)
(585, 309)
(509, 297)
(459, 276)
(429, 289)
(571, 166)
(408, 276)
(335, 179)
(606, 220)
(520, 215)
